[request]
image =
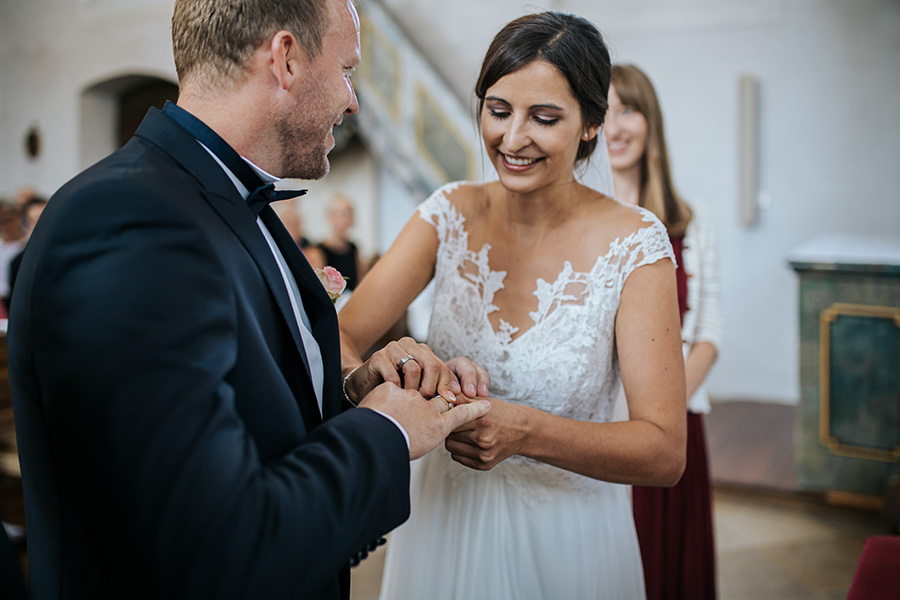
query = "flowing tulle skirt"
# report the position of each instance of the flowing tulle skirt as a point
(492, 535)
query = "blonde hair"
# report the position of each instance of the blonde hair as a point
(212, 40)
(657, 193)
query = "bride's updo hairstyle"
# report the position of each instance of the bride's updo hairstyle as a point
(571, 44)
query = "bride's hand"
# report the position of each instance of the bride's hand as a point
(473, 379)
(491, 439)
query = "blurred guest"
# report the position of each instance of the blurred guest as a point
(24, 194)
(293, 222)
(12, 240)
(674, 525)
(337, 249)
(31, 212)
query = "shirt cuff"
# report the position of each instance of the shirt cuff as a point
(397, 423)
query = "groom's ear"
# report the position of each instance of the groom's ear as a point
(289, 60)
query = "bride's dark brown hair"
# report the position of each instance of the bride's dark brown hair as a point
(571, 44)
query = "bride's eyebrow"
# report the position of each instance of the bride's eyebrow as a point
(533, 106)
(550, 106)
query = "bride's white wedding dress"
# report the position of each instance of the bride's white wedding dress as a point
(524, 530)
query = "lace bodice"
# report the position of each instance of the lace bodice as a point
(565, 363)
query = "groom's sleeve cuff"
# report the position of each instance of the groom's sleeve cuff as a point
(397, 423)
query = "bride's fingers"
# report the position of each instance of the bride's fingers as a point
(465, 413)
(473, 378)
(447, 385)
(440, 404)
(454, 446)
(467, 455)
(465, 434)
(440, 375)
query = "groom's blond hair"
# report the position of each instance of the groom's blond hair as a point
(212, 40)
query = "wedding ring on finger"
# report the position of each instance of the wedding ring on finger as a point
(404, 360)
(449, 404)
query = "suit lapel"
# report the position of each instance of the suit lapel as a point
(231, 207)
(319, 308)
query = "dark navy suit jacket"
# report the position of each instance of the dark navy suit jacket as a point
(169, 436)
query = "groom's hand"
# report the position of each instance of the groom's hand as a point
(427, 422)
(407, 364)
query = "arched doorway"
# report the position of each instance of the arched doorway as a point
(111, 111)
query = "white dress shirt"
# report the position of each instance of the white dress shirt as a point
(310, 345)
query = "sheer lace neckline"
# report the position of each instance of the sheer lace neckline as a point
(551, 296)
(569, 291)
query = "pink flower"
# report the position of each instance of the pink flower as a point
(333, 282)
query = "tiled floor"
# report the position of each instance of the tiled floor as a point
(782, 548)
(772, 542)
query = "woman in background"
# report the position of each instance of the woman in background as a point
(338, 250)
(674, 525)
(293, 222)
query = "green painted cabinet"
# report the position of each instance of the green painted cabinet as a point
(847, 426)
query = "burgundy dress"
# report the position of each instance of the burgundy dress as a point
(674, 525)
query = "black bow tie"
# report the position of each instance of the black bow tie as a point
(266, 194)
(261, 193)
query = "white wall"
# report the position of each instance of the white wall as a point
(50, 52)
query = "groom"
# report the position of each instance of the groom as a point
(175, 362)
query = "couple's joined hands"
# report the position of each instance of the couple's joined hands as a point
(396, 379)
(479, 432)
(413, 366)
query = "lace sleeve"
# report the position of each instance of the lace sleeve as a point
(438, 211)
(647, 245)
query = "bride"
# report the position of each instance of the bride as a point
(554, 289)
